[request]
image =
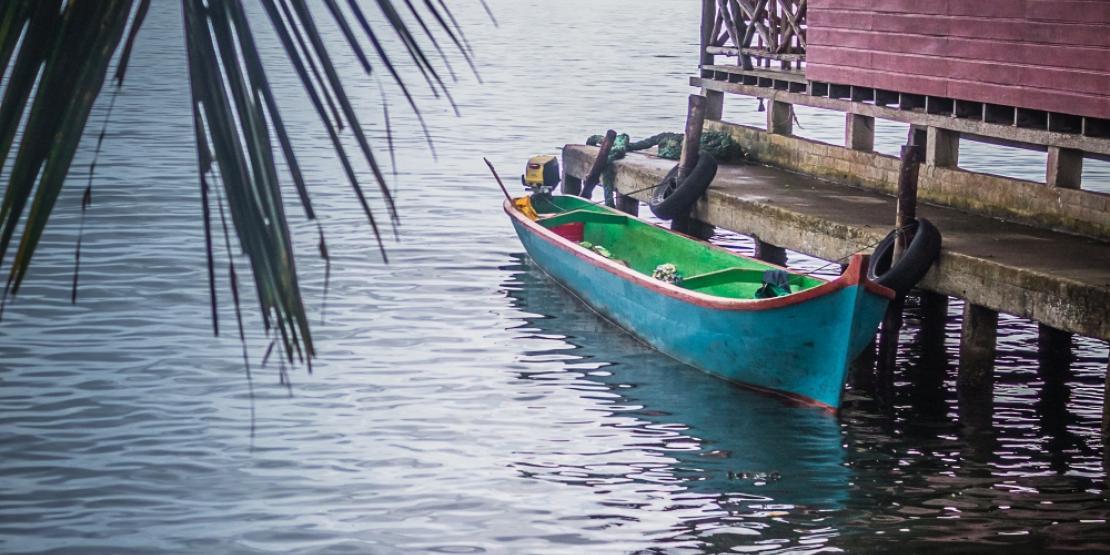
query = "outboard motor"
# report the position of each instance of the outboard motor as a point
(541, 175)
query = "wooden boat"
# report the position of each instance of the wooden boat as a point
(797, 345)
(731, 437)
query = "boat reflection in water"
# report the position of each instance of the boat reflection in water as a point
(729, 441)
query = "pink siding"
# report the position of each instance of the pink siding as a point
(1049, 55)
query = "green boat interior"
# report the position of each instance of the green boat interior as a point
(645, 247)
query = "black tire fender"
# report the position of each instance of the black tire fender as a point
(919, 256)
(671, 198)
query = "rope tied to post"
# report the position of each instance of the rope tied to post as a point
(719, 145)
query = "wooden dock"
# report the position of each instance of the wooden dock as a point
(1031, 75)
(1059, 279)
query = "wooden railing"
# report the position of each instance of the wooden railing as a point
(761, 29)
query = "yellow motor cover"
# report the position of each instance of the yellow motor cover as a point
(542, 171)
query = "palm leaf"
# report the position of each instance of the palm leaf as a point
(57, 54)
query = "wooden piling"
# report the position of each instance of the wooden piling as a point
(905, 212)
(598, 166)
(691, 142)
(977, 349)
(934, 320)
(1053, 352)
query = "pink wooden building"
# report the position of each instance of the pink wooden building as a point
(1046, 55)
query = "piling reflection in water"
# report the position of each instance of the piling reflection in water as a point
(903, 465)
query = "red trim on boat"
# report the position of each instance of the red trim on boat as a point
(854, 275)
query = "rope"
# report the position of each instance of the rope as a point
(719, 145)
(899, 230)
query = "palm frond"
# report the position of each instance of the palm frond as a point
(57, 53)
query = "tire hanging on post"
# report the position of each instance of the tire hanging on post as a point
(919, 256)
(671, 198)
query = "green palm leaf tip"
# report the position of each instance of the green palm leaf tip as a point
(246, 166)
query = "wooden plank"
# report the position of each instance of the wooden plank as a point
(983, 28)
(757, 52)
(794, 21)
(964, 126)
(1071, 12)
(902, 82)
(791, 75)
(729, 22)
(959, 52)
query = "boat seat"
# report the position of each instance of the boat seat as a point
(584, 216)
(731, 275)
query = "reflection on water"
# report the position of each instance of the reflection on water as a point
(776, 478)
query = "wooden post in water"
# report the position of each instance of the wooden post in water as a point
(934, 320)
(691, 142)
(905, 213)
(599, 164)
(1053, 352)
(977, 350)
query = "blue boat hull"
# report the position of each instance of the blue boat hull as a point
(799, 348)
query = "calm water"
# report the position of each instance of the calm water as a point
(462, 402)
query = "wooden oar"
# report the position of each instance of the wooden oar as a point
(498, 178)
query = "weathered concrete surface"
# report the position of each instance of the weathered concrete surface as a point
(1058, 279)
(1070, 210)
